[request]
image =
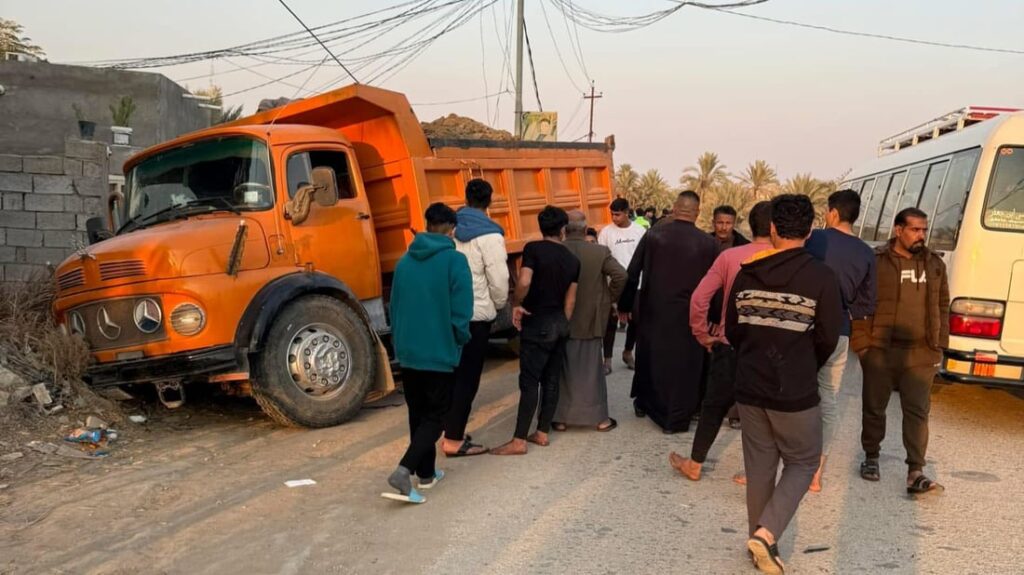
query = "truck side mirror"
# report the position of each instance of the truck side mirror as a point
(323, 190)
(96, 230)
(326, 186)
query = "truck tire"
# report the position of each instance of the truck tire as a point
(317, 365)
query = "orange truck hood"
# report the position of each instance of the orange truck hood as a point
(195, 246)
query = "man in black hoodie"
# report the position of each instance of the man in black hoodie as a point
(784, 319)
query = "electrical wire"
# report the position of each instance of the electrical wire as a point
(558, 51)
(577, 47)
(867, 34)
(533, 71)
(477, 99)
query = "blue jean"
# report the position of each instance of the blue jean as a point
(830, 377)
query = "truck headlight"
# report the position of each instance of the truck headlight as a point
(147, 315)
(188, 319)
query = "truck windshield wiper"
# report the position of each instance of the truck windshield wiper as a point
(179, 210)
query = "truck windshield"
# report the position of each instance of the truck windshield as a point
(229, 173)
(1004, 207)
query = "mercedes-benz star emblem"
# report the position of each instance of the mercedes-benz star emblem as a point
(147, 316)
(108, 328)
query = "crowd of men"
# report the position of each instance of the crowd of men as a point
(757, 330)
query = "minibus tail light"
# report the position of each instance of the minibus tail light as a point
(976, 318)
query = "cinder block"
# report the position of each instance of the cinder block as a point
(52, 184)
(44, 203)
(60, 238)
(85, 150)
(97, 187)
(17, 219)
(72, 167)
(92, 170)
(73, 204)
(51, 256)
(13, 201)
(43, 164)
(15, 182)
(7, 254)
(57, 221)
(3, 236)
(21, 272)
(25, 238)
(10, 163)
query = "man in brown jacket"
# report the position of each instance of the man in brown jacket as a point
(901, 344)
(583, 394)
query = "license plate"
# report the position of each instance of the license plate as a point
(985, 369)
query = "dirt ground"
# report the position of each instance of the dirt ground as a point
(202, 490)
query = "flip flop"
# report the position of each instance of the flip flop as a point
(468, 449)
(922, 484)
(869, 470)
(438, 476)
(559, 426)
(612, 424)
(765, 556)
(413, 497)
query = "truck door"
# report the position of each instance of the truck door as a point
(337, 240)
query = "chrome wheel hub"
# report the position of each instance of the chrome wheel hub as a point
(319, 360)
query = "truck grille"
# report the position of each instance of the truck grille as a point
(71, 280)
(121, 269)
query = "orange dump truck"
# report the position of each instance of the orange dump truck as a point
(257, 255)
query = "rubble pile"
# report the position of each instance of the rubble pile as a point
(458, 127)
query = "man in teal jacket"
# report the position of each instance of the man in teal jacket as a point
(431, 305)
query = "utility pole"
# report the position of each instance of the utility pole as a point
(520, 25)
(591, 97)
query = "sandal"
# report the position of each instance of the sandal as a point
(765, 556)
(468, 449)
(612, 424)
(922, 484)
(870, 471)
(559, 426)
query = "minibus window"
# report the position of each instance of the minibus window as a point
(932, 187)
(889, 208)
(945, 222)
(873, 200)
(1004, 206)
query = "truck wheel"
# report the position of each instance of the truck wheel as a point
(317, 364)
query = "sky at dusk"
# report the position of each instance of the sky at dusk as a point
(804, 100)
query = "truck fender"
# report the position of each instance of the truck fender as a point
(271, 299)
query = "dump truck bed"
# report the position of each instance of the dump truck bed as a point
(404, 172)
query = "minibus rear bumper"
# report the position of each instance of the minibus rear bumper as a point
(978, 368)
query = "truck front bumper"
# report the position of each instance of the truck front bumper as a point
(174, 367)
(964, 367)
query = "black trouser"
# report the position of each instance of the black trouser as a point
(720, 397)
(612, 329)
(902, 370)
(541, 354)
(428, 394)
(467, 380)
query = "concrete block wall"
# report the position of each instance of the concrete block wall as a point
(46, 201)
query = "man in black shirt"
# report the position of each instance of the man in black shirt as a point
(544, 300)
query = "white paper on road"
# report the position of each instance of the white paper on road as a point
(299, 482)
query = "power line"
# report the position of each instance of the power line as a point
(326, 49)
(577, 47)
(477, 99)
(533, 71)
(867, 34)
(558, 52)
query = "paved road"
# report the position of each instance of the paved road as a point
(205, 494)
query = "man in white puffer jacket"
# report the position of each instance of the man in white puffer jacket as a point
(482, 241)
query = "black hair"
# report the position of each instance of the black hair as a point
(552, 220)
(619, 205)
(760, 219)
(651, 209)
(439, 217)
(478, 193)
(793, 215)
(727, 210)
(847, 203)
(689, 195)
(901, 218)
(592, 232)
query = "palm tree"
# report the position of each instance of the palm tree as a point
(727, 192)
(12, 40)
(654, 191)
(626, 181)
(702, 177)
(761, 180)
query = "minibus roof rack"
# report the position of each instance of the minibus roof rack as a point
(951, 122)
